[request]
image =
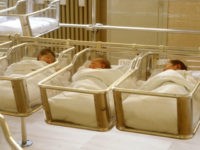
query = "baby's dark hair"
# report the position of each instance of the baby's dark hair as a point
(45, 51)
(178, 62)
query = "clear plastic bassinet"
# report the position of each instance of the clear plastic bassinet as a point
(35, 20)
(87, 106)
(173, 114)
(20, 94)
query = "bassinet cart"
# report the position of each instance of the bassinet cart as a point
(7, 134)
(37, 19)
(154, 112)
(86, 107)
(22, 96)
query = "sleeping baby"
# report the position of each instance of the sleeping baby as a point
(98, 71)
(175, 65)
(174, 74)
(100, 63)
(45, 56)
(20, 69)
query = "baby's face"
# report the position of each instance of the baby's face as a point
(96, 64)
(170, 66)
(48, 58)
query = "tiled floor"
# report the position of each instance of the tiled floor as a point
(50, 137)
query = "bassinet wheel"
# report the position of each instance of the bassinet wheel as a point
(26, 143)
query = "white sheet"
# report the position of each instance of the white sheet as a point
(19, 69)
(154, 113)
(79, 108)
(37, 24)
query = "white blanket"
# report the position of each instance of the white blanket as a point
(24, 67)
(156, 113)
(38, 25)
(180, 77)
(19, 69)
(105, 76)
(77, 107)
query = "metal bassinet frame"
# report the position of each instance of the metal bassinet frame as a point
(29, 50)
(185, 104)
(51, 11)
(104, 118)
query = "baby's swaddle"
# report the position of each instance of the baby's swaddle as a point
(24, 67)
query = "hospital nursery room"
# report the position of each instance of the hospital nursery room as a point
(99, 74)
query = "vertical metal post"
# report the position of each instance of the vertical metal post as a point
(25, 142)
(93, 20)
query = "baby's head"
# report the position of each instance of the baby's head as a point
(175, 65)
(100, 63)
(47, 56)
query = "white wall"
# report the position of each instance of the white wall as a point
(171, 14)
(138, 13)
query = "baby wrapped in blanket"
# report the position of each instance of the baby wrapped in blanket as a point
(21, 69)
(79, 108)
(170, 81)
(174, 79)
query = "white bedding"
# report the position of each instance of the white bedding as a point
(154, 113)
(19, 69)
(38, 25)
(79, 108)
